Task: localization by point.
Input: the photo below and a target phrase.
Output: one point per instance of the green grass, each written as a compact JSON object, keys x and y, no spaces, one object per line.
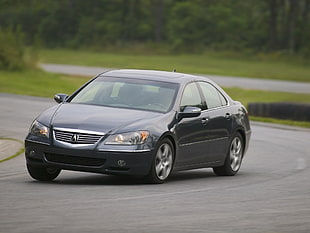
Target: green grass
{"x":272,"y":66}
{"x":38,"y":83}
{"x":248,"y":96}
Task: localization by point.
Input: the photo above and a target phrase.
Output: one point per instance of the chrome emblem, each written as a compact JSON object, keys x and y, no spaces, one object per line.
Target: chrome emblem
{"x":75,"y":138}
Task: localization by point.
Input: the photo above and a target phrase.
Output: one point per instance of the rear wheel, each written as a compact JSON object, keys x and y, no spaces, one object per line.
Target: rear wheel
{"x":233,"y":159}
{"x":163,"y":162}
{"x":43,"y":173}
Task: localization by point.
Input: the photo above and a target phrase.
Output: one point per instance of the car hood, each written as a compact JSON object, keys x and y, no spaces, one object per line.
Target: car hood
{"x":99,"y":118}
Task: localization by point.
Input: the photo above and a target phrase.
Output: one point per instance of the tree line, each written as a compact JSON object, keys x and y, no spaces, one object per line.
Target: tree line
{"x":181,"y":25}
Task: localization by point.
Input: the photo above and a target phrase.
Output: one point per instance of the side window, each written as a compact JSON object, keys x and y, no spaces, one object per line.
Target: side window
{"x":223,"y":99}
{"x":212,"y":96}
{"x":191,"y":97}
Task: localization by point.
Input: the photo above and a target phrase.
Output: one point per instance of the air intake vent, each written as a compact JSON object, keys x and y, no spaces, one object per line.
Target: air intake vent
{"x":74,"y":160}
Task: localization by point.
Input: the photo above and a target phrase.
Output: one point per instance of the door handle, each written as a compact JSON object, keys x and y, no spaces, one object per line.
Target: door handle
{"x":204,"y":120}
{"x":227,"y":116}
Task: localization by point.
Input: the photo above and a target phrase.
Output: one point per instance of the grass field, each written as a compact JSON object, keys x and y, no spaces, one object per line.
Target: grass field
{"x":38,"y":83}
{"x":248,"y":96}
{"x":272,"y":66}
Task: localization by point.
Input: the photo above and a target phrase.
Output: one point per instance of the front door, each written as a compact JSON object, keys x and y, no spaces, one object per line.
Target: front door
{"x":191,"y":134}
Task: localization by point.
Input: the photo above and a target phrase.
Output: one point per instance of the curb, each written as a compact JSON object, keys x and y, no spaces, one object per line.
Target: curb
{"x":281,"y":110}
{"x":279,"y":126}
{"x":10,"y":148}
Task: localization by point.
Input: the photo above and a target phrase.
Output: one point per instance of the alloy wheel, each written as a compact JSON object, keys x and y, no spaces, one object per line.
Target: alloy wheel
{"x":163,"y":161}
{"x":236,"y":154}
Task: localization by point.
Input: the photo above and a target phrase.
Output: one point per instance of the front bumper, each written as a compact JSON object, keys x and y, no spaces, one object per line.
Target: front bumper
{"x":87,"y":160}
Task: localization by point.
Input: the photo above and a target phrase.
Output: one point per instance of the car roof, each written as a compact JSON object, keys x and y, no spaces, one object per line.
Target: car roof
{"x":155,"y":75}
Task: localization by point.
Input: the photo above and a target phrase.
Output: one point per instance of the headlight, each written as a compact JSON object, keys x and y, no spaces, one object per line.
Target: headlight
{"x":132,"y":138}
{"x":39,"y":130}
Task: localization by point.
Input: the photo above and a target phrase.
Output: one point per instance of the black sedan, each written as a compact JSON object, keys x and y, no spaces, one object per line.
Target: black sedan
{"x":142,"y":123}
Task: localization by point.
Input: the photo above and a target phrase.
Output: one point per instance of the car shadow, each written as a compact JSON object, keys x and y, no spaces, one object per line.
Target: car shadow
{"x":102,"y":179}
{"x":191,"y":175}
{"x":98,"y":179}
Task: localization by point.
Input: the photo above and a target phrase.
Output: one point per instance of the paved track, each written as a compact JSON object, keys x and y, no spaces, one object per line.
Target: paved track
{"x":271,"y":194}
{"x":247,"y":83}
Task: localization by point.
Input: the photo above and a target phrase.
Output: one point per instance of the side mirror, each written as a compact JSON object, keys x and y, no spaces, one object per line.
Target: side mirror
{"x":60,"y":98}
{"x":189,"y":112}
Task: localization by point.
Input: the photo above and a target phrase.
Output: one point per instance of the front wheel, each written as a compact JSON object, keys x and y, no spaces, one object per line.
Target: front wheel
{"x":43,"y":173}
{"x":233,"y":159}
{"x":163,"y":162}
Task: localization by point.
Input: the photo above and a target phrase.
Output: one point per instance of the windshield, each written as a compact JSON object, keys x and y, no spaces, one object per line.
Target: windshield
{"x":128,"y":93}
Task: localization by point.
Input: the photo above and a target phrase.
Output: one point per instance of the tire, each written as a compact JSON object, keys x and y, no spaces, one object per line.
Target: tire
{"x":163,"y":162}
{"x":233,"y":159}
{"x":43,"y":173}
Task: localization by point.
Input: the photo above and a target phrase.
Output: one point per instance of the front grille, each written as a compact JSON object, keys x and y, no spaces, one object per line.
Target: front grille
{"x":76,"y":138}
{"x":74,"y":160}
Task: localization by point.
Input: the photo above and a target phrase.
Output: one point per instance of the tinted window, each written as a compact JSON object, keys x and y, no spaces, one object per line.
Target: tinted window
{"x":191,"y":97}
{"x":128,"y":93}
{"x":212,"y":96}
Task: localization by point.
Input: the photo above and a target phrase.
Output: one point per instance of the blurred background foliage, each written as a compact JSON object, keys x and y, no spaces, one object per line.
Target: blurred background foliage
{"x":11,"y":49}
{"x":176,"y":25}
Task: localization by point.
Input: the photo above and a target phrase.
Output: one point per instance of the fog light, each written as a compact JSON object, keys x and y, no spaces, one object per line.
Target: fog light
{"x":121,"y":163}
{"x":32,"y":153}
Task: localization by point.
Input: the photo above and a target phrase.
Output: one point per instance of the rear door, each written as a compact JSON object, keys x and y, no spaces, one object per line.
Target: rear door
{"x":219,"y":122}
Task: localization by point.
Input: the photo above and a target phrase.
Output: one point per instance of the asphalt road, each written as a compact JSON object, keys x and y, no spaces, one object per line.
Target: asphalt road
{"x":271,"y":194}
{"x":225,"y":81}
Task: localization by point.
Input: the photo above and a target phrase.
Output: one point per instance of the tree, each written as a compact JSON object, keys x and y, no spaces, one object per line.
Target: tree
{"x":158,"y":15}
{"x":293,"y":8}
{"x":273,"y":24}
